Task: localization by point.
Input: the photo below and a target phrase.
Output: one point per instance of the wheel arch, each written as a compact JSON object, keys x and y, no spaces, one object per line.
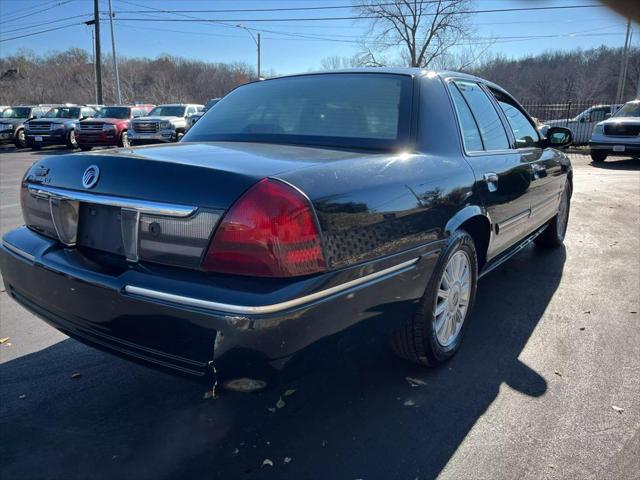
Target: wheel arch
{"x":474,"y":220}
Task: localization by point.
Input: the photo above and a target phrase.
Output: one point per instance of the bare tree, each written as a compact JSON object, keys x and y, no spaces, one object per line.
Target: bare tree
{"x":424,"y":30}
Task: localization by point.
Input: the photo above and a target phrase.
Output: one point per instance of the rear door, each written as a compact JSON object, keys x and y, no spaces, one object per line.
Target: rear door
{"x":502,"y":175}
{"x":547,"y":175}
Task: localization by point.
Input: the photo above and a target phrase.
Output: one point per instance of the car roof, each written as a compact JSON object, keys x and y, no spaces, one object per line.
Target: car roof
{"x":411,"y":71}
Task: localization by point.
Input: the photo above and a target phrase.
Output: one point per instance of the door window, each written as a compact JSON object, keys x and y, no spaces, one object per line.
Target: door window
{"x":491,"y":129}
{"x":470,"y":133}
{"x":523,"y":130}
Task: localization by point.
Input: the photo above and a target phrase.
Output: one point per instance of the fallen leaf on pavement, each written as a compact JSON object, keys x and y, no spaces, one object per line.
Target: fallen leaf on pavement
{"x":617,"y":409}
{"x":558,"y":373}
{"x":290,"y":392}
{"x":4,"y":340}
{"x":415,"y":382}
{"x":267,"y":462}
{"x":280,"y":403}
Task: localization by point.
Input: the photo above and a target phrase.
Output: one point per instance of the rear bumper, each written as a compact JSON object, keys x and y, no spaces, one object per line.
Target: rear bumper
{"x":186,"y":321}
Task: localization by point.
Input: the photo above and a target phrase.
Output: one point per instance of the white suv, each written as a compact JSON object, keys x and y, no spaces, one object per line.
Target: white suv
{"x":618,"y":135}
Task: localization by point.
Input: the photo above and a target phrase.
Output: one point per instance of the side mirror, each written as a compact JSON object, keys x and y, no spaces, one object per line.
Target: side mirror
{"x":559,"y":137}
{"x":607,"y":115}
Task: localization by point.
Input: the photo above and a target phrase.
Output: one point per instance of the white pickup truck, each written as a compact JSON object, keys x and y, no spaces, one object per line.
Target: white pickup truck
{"x":583,"y":124}
{"x":618,"y":135}
{"x":165,"y":123}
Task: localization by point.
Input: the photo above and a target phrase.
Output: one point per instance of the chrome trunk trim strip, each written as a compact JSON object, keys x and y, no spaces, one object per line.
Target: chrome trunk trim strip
{"x":142,"y":206}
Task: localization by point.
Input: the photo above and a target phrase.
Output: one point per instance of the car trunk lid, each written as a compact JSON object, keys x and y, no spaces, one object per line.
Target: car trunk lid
{"x":157,"y":203}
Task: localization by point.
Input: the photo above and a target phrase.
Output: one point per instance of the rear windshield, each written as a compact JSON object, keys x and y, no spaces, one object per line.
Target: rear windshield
{"x":113,"y":112}
{"x":63,"y":112}
{"x":631,"y":109}
{"x":344,"y":110}
{"x":167,"y":112}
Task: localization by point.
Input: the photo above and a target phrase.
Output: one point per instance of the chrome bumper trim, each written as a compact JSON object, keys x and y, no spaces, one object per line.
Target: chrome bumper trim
{"x":142,"y":206}
{"x":265,"y":309}
{"x":17,"y":251}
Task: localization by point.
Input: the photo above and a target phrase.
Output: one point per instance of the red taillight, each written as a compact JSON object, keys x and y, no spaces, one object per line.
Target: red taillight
{"x":269,"y":232}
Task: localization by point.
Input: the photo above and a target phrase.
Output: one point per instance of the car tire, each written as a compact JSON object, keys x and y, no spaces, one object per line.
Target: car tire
{"x":71,"y":140}
{"x":598,"y":157}
{"x":179,"y":136}
{"x":553,"y":235}
{"x":21,"y":139}
{"x":420,"y":340}
{"x":85,"y":148}
{"x":124,"y":140}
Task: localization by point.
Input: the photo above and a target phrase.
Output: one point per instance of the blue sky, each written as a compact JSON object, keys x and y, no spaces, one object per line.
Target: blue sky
{"x":283,"y":48}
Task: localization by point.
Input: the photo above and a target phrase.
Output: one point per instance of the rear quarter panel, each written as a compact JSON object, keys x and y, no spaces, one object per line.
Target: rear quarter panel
{"x":382,"y":204}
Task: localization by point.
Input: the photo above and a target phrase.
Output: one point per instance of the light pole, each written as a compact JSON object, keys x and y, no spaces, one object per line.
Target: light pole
{"x":256,"y":41}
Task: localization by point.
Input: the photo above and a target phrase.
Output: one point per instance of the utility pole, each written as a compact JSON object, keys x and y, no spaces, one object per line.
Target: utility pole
{"x":116,"y":76}
{"x":623,"y":64}
{"x":258,"y":44}
{"x":98,"y":56}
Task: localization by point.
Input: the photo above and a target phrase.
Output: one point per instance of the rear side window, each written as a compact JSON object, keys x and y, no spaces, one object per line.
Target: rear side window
{"x":491,"y":129}
{"x":470,"y":132}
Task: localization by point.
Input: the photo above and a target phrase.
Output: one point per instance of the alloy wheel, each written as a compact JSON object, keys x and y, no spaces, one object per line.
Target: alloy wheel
{"x":452,"y":300}
{"x":563,"y":214}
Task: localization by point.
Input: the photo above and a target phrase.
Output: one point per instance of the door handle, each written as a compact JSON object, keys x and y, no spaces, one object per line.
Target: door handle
{"x":538,"y":171}
{"x":491,"y":179}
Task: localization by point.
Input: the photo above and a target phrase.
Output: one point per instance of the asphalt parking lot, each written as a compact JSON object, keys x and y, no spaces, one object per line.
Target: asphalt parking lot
{"x":547,"y":384}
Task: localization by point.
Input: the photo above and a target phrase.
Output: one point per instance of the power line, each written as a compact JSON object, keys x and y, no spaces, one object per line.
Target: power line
{"x":29,"y":26}
{"x":41,"y":31}
{"x":335,"y":7}
{"x":359,"y":17}
{"x":24,"y":15}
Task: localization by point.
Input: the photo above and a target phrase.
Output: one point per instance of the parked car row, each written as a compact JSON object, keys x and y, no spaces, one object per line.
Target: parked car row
{"x":88,"y":126}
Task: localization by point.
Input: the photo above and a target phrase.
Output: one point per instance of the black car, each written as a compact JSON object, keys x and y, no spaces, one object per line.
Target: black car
{"x":56,"y":127}
{"x":295,"y":209}
{"x":12,"y":123}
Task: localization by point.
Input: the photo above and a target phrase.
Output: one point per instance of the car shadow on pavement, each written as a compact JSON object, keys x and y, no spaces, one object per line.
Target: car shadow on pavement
{"x":614,"y":163}
{"x":353,"y":413}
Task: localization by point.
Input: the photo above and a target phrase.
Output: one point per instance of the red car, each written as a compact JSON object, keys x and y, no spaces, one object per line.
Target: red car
{"x":109,"y":127}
